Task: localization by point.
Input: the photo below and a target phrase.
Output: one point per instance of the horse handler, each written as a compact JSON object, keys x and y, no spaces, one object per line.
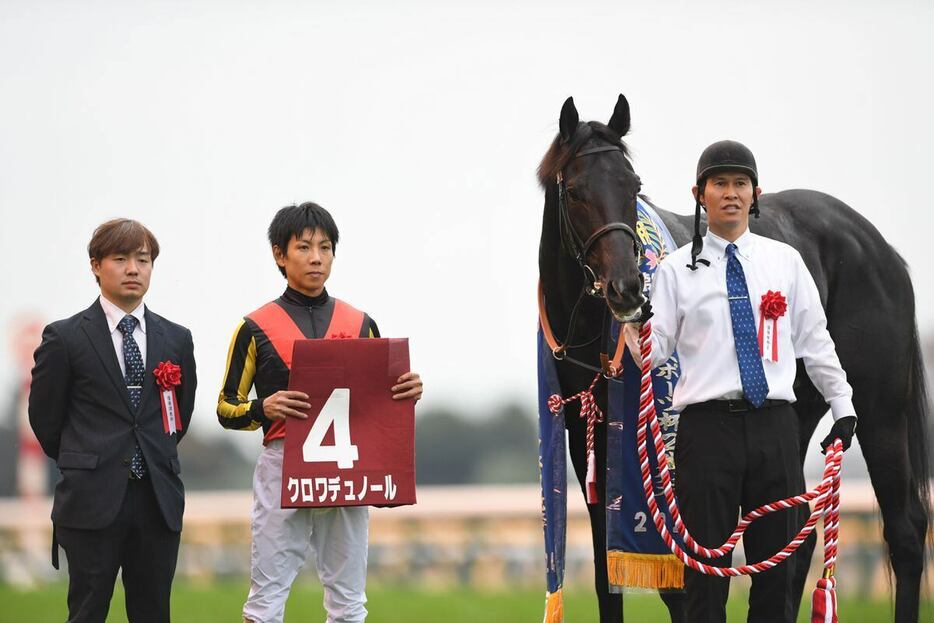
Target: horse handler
{"x":740,"y":309}
{"x":303,"y":240}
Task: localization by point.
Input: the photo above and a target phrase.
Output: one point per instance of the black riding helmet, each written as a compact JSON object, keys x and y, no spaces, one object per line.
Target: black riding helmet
{"x":721,"y":156}
{"x":727,"y":156}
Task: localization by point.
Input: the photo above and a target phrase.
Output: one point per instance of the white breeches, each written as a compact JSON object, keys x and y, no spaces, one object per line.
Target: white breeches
{"x":283,"y":538}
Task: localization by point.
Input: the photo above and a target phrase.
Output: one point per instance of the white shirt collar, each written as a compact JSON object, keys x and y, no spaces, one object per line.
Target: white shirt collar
{"x":114,"y":314}
{"x":745,"y":245}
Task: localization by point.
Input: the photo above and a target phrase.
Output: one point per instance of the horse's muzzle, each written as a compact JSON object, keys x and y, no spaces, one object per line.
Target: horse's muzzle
{"x":625,"y":299}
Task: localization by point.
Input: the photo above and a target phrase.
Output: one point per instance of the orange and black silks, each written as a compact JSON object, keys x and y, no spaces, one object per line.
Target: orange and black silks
{"x":260,"y":353}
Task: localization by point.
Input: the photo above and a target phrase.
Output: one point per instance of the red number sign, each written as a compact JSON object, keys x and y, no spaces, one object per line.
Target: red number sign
{"x":357,"y":446}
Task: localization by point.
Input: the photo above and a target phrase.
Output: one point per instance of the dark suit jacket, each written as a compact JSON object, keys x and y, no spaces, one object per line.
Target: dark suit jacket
{"x":80,"y":410}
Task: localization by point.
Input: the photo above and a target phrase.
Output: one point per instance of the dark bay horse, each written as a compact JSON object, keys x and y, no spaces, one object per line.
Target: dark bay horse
{"x":865,"y":290}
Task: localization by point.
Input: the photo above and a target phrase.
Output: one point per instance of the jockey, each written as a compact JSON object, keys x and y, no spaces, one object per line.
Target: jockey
{"x":740,"y":314}
{"x":303,"y":240}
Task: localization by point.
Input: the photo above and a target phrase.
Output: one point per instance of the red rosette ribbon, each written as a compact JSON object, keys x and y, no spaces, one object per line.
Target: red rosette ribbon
{"x":168,"y":376}
{"x":773,"y":306}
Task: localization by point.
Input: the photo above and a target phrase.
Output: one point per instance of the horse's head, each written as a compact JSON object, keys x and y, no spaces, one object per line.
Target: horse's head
{"x":596,"y":192}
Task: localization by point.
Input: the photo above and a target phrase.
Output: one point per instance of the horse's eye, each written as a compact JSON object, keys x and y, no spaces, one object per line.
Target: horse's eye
{"x":573,"y":194}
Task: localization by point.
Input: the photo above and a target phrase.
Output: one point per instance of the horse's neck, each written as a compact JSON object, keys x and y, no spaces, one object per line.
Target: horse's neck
{"x":554,"y":271}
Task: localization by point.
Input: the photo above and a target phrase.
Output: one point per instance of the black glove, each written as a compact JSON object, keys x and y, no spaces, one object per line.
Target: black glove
{"x":646,"y":311}
{"x":842,"y":428}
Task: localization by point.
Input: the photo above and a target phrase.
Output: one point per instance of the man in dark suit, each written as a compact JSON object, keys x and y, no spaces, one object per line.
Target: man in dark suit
{"x":113,"y":425}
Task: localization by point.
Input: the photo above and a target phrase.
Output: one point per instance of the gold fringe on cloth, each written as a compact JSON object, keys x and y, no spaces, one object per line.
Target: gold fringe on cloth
{"x":632,"y":570}
{"x":554,"y":607}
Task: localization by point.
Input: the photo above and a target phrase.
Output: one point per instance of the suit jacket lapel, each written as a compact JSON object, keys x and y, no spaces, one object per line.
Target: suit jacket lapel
{"x":154,"y":343}
{"x":95,"y":327}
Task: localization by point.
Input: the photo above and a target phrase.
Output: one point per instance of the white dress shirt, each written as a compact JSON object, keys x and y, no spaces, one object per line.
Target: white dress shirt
{"x":114,"y":315}
{"x":692,"y":315}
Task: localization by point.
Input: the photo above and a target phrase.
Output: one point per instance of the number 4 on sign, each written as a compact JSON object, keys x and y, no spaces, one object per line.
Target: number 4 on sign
{"x":337,"y":411}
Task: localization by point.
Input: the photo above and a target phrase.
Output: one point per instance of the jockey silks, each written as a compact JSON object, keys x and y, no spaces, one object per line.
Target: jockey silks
{"x":261,"y":351}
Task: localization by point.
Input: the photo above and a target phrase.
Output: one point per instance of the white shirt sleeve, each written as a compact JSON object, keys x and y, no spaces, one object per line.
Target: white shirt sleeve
{"x":664,"y":314}
{"x":813,"y":344}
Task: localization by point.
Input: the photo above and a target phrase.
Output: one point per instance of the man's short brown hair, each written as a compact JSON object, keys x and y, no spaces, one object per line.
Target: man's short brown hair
{"x":121,"y":235}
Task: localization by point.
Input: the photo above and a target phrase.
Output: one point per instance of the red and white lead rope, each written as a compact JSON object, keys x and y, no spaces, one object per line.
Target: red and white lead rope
{"x":826,"y":498}
{"x":592,"y":413}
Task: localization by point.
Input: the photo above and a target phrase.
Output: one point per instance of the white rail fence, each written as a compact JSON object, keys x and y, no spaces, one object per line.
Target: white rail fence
{"x":484,"y":536}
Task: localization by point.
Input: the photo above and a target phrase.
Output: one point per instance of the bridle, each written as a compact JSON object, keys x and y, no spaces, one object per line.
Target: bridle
{"x":572,"y":242}
{"x":610,"y":368}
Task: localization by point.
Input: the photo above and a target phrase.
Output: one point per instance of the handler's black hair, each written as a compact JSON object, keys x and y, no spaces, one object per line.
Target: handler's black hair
{"x":292,"y":221}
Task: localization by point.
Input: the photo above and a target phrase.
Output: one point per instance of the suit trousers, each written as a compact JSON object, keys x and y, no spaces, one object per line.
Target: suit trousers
{"x":731,"y":462}
{"x":139,"y":544}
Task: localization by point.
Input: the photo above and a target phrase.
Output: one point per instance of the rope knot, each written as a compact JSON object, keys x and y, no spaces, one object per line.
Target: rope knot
{"x":555,"y":403}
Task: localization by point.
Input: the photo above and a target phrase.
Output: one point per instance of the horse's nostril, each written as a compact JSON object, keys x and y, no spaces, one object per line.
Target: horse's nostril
{"x":622,"y":289}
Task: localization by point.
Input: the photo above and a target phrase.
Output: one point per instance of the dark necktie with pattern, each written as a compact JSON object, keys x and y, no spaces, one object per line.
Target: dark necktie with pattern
{"x":755,"y":386}
{"x":135,"y":368}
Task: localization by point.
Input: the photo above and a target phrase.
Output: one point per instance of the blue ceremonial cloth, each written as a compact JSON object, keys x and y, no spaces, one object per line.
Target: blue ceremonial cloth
{"x":552,"y":460}
{"x":631,"y":533}
{"x":636,"y":554}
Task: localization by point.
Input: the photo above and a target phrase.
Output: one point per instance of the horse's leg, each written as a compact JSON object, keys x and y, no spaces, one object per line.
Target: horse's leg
{"x":883,"y":367}
{"x":675,"y":602}
{"x":610,"y":604}
{"x":903,"y":518}
{"x":810,"y":407}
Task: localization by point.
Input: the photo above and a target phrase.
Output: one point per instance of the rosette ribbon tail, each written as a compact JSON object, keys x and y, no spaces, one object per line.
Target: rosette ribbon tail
{"x":170,"y":419}
{"x":775,"y":340}
{"x":768,"y":337}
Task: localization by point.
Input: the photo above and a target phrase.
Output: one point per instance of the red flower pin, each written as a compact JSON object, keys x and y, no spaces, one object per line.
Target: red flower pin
{"x":773,"y":305}
{"x":168,"y":375}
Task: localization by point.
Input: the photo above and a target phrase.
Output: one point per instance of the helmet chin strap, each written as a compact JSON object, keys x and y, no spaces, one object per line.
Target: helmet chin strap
{"x":697,"y":243}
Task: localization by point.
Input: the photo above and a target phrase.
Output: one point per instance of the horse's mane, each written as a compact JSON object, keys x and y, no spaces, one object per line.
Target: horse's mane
{"x":560,"y":152}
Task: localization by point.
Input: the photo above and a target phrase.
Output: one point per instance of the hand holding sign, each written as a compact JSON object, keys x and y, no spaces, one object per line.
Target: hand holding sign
{"x":357,"y":445}
{"x":409,"y":386}
{"x":286,"y":403}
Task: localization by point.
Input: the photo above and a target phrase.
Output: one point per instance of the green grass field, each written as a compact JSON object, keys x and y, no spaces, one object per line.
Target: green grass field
{"x":221,"y":603}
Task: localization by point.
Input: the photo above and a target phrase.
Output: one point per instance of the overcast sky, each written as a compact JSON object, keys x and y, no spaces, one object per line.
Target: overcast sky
{"x":419,"y":126}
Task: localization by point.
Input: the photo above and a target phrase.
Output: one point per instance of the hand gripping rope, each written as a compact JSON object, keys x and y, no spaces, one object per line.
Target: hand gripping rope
{"x":826,"y":498}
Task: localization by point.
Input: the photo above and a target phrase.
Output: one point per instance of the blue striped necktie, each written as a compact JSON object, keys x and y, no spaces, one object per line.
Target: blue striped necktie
{"x":755,"y":386}
{"x":135,"y":369}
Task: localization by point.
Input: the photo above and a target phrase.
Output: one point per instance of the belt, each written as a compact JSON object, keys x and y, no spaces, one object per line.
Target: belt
{"x":739,"y":405}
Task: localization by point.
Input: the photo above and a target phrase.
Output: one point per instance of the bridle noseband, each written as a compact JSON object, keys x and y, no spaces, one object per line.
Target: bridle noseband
{"x":571,"y":241}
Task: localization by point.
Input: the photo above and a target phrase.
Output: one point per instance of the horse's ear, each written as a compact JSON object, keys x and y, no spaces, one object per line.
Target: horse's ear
{"x":619,"y":122}
{"x":569,"y":119}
